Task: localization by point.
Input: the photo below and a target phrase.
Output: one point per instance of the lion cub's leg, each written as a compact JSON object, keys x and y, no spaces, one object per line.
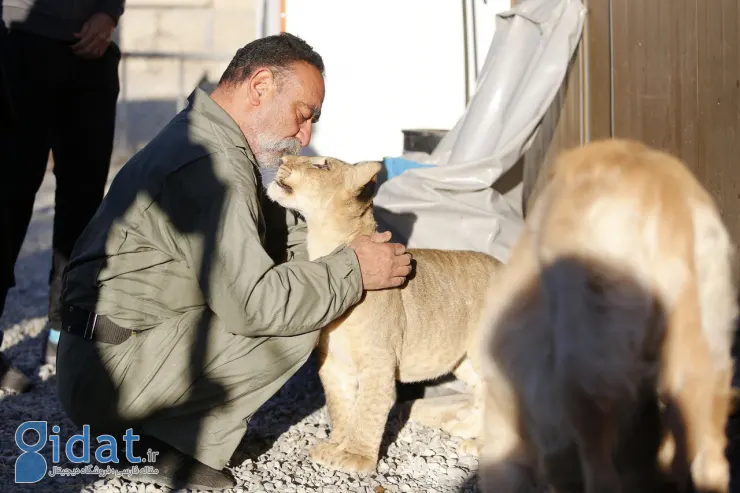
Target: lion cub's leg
{"x":434,"y":412}
{"x":376,"y":394}
{"x":339,"y":381}
{"x":468,"y":373}
{"x":467,"y":421}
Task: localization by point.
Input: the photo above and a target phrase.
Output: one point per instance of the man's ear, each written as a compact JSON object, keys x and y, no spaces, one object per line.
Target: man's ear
{"x":364,"y":176}
{"x":260,"y":85}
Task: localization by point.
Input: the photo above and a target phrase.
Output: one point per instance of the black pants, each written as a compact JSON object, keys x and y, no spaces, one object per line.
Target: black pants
{"x":65,"y":104}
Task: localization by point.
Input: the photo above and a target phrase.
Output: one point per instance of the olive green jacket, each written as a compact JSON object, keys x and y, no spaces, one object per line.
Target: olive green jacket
{"x":186,"y":223}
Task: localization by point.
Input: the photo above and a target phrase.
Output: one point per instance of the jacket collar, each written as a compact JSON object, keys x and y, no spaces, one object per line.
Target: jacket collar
{"x":202,"y":102}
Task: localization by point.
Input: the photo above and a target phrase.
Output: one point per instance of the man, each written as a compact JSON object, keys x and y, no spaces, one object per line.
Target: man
{"x":60,"y":69}
{"x":189,"y":300}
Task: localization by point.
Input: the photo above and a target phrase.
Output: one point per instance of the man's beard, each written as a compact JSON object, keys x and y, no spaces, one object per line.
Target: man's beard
{"x":270,"y":151}
{"x":270,"y":154}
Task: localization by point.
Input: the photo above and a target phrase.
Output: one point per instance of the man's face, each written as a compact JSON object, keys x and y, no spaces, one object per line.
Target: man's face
{"x":283,"y":120}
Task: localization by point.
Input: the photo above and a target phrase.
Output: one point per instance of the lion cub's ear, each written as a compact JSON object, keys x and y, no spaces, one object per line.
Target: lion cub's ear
{"x":362,"y":173}
{"x":319,"y":162}
{"x":289,"y":159}
{"x":362,"y":178}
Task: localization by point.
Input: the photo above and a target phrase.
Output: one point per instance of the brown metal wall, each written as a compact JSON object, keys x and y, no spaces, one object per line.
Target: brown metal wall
{"x":677,"y":86}
{"x":666,"y":72}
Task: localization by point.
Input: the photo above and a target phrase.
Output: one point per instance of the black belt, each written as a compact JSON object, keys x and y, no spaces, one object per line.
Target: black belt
{"x":93,"y":327}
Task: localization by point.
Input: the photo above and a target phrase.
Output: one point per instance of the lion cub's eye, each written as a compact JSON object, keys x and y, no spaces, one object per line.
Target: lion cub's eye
{"x":320,"y":166}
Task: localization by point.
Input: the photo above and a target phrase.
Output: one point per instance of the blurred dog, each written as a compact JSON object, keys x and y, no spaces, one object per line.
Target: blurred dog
{"x":620,"y":289}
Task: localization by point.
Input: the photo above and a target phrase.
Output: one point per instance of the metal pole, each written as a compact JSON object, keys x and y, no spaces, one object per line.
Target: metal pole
{"x":260,"y":17}
{"x":465,"y":47}
{"x":475,"y":42}
{"x":124,"y":103}
{"x":181,"y":87}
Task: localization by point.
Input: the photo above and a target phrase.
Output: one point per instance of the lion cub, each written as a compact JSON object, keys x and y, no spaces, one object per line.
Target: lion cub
{"x":620,"y":288}
{"x":417,"y":332}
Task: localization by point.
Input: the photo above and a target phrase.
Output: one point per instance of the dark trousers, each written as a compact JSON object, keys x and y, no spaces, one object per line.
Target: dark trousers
{"x":63,"y":104}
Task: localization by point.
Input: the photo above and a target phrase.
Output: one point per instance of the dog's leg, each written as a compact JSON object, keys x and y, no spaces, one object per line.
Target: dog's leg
{"x":713,"y":307}
{"x":697,"y":415}
{"x":340,"y":388}
{"x":376,"y":394}
{"x":506,"y":464}
{"x":711,"y":468}
{"x":697,"y":401}
{"x":596,"y":427}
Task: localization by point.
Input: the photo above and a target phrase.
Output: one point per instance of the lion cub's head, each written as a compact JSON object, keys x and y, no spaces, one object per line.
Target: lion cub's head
{"x":324,"y":185}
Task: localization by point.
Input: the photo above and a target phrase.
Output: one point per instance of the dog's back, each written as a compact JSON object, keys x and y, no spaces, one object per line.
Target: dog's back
{"x":608,"y":291}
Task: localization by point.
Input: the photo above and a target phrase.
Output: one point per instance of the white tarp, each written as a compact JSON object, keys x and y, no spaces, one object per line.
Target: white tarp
{"x":453,"y":205}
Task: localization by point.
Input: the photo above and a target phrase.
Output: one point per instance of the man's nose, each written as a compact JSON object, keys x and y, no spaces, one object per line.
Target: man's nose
{"x":304,"y":134}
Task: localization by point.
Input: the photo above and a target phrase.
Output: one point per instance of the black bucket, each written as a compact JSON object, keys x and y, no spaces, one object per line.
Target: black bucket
{"x":422,"y":139}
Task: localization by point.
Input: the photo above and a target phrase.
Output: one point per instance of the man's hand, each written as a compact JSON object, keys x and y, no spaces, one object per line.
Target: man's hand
{"x":383,"y":264}
{"x":95,"y":36}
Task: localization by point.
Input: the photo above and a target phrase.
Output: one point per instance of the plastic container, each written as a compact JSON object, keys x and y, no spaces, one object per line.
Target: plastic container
{"x":422,"y":139}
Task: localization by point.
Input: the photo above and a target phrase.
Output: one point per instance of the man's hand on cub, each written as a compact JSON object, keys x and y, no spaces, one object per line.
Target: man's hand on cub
{"x":383,"y":265}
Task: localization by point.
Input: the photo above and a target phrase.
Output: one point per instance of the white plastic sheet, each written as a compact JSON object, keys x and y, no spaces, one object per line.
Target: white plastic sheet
{"x":454,"y":205}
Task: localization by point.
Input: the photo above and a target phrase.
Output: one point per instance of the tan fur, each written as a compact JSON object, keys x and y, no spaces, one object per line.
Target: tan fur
{"x":620,"y":288}
{"x":418,"y":332}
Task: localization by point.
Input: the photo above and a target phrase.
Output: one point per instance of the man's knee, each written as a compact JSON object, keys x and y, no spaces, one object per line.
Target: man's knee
{"x":87,"y":411}
{"x":85,"y":392}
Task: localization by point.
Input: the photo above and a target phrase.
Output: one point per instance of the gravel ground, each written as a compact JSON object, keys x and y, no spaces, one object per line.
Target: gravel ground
{"x":273,"y":455}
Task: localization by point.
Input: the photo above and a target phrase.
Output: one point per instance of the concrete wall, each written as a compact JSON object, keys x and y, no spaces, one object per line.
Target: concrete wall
{"x":150,"y":87}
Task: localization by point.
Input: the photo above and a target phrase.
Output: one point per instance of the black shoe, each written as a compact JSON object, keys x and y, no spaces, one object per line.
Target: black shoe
{"x":175,"y":470}
{"x":11,"y":379}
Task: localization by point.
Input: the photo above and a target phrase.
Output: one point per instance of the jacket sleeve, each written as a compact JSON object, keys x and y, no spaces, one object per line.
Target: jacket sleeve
{"x":253,"y":296}
{"x":113,"y":8}
{"x":297,"y":235}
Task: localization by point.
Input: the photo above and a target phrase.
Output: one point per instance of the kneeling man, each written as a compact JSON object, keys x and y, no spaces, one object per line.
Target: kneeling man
{"x":189,"y":300}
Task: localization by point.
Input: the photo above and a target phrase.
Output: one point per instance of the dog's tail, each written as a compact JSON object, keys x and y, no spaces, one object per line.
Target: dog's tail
{"x":599,"y":320}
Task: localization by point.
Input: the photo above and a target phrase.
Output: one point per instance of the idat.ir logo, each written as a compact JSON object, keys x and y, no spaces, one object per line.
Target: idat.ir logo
{"x":31,"y":466}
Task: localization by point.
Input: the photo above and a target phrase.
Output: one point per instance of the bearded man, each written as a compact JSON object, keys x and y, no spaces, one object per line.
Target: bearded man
{"x":189,"y":300}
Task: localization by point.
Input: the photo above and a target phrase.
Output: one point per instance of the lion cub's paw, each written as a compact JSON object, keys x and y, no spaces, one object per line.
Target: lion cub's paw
{"x":435,"y":411}
{"x":462,"y":429}
{"x":324,"y":451}
{"x":330,"y":455}
{"x":348,"y":462}
{"x":470,"y":447}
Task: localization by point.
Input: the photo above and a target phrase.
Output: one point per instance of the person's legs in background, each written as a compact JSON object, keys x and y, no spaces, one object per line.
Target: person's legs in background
{"x":82,"y":147}
{"x":29,"y":71}
{"x":11,"y":379}
{"x":6,"y":117}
